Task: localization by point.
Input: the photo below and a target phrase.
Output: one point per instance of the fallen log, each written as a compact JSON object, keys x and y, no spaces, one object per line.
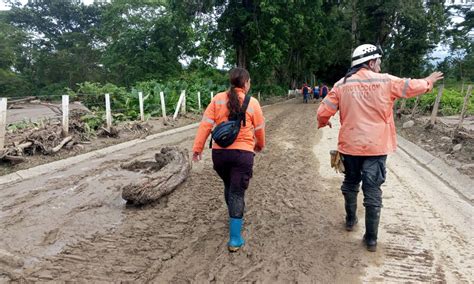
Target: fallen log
{"x":11,"y":103}
{"x":14,"y":159}
{"x":171,"y":167}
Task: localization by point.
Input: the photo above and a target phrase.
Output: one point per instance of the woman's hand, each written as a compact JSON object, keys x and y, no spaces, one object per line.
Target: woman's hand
{"x":197,"y":156}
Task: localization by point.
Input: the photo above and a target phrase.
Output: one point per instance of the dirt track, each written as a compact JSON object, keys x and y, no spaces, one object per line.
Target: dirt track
{"x":73,"y":224}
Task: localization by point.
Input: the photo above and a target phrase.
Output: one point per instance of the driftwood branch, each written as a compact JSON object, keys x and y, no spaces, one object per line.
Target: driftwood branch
{"x":171,"y":167}
{"x":60,"y":145}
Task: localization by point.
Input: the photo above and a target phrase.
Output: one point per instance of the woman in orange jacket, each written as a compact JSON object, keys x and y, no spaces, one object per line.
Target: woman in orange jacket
{"x":364,"y":99}
{"x":233,"y":164}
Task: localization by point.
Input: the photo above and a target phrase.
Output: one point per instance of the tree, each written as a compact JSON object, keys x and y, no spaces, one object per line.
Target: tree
{"x":62,"y":47}
{"x":12,"y":84}
{"x":144,"y":40}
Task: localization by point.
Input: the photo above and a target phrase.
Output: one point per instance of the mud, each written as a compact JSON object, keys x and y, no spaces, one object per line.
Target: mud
{"x":440,"y":141}
{"x":73,"y":224}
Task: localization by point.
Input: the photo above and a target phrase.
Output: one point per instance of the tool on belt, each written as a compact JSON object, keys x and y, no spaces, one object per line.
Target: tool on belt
{"x":337,"y":161}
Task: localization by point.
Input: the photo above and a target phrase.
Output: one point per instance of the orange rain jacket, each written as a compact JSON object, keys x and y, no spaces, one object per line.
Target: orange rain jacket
{"x":365,"y":103}
{"x":250,"y":135}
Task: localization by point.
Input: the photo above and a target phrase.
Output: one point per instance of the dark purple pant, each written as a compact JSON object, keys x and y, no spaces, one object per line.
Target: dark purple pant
{"x":235,"y":168}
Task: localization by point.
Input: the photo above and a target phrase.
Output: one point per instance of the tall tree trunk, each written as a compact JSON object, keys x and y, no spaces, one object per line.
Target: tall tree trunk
{"x":241,"y":56}
{"x":353,"y":26}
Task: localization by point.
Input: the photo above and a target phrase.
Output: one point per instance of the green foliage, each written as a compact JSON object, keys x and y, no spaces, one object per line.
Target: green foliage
{"x":93,"y":121}
{"x":451,"y":102}
{"x":125,"y":103}
{"x":54,"y":47}
{"x":53,"y":92}
{"x":20,"y":125}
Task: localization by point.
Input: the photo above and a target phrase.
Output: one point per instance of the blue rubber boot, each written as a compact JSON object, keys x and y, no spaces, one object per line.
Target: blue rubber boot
{"x":236,"y":240}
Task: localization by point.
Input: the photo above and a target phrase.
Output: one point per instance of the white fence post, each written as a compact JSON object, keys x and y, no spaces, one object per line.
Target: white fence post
{"x":178,"y":106}
{"x":108,"y":113}
{"x":65,"y":115}
{"x":289,"y":93}
{"x":259,"y":96}
{"x":140,"y":102}
{"x":3,"y":121}
{"x":163,"y":106}
{"x":199,"y":101}
{"x":212,"y":95}
{"x":183,"y":105}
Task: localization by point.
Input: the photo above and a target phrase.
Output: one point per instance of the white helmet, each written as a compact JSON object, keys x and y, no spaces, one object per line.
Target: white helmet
{"x":364,"y":53}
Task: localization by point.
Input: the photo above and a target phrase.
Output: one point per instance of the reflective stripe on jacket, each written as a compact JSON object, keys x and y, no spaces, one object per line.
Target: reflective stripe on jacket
{"x":365,"y":103}
{"x":217,"y":112}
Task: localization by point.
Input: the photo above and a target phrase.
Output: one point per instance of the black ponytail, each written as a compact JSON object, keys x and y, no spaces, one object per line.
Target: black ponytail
{"x":237,"y":77}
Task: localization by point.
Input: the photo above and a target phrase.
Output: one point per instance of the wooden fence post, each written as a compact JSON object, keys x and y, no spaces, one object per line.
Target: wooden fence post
{"x":259,"y":96}
{"x":65,"y":115}
{"x":178,"y":106}
{"x":140,"y":102}
{"x":163,"y":106}
{"x":199,"y":101}
{"x":464,"y":106}
{"x":183,"y":105}
{"x":289,"y":93}
{"x":403,"y":105}
{"x":417,"y":101}
{"x":436,"y":105}
{"x":108,"y":112}
{"x":3,"y":121}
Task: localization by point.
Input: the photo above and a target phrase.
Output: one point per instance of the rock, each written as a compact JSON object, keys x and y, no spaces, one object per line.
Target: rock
{"x":445,"y":138}
{"x":408,"y":124}
{"x":457,"y":147}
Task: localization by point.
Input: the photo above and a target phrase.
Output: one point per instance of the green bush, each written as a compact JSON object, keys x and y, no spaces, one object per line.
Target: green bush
{"x":451,"y":102}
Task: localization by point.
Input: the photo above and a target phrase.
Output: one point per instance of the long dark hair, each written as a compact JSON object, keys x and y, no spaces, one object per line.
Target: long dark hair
{"x":237,"y":77}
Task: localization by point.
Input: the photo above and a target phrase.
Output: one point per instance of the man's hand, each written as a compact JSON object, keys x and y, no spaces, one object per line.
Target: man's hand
{"x":257,"y":148}
{"x":434,"y":77}
{"x":327,"y":124}
{"x":197,"y":156}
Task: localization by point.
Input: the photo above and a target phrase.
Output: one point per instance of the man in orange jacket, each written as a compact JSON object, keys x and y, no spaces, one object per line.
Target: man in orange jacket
{"x":365,"y":98}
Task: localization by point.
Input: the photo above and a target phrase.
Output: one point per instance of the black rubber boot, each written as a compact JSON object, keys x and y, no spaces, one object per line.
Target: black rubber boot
{"x":351,"y":209}
{"x":372,"y":218}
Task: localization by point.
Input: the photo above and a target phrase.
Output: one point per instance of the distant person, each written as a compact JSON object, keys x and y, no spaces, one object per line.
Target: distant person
{"x":364,"y":99}
{"x":324,"y":91}
{"x":305,"y":91}
{"x":234,"y":163}
{"x":316,"y":92}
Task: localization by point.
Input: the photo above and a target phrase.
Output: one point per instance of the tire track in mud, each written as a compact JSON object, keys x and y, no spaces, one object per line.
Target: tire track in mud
{"x":293,"y":222}
{"x":418,"y":245}
{"x":293,"y":229}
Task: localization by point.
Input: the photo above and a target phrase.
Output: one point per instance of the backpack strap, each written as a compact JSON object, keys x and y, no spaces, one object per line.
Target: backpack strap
{"x":243,"y":110}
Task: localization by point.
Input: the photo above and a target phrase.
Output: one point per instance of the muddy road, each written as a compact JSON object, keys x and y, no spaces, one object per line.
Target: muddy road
{"x":73,"y":225}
